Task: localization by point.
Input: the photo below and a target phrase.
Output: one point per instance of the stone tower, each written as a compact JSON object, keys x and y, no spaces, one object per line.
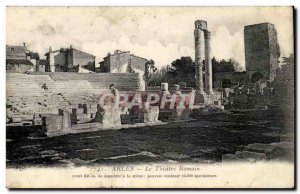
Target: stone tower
{"x":261,"y":51}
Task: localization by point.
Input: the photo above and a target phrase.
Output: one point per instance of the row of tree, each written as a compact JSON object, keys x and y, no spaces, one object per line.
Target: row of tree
{"x":183,"y":70}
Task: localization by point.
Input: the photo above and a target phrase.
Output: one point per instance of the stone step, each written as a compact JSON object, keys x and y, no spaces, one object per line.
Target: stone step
{"x":244,"y":156}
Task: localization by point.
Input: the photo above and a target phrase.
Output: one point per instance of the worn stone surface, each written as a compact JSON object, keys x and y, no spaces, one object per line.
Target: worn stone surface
{"x":271,"y":151}
{"x":250,"y":156}
{"x":109,"y":116}
{"x":56,"y":124}
{"x":288,"y":137}
{"x":66,"y":122}
{"x":285,"y":150}
{"x":151,"y":115}
{"x":229,"y":158}
{"x":53,"y":124}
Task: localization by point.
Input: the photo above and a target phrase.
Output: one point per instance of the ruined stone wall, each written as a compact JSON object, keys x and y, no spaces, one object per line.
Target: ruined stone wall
{"x":261,"y":49}
{"x":60,"y":59}
{"x":18,"y":68}
{"x":83,"y":59}
{"x":284,"y":88}
{"x":137,"y":63}
{"x":234,"y":77}
{"x":118,"y":63}
{"x":104,"y":66}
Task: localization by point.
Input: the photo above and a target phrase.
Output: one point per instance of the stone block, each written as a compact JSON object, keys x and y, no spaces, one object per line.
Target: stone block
{"x":53,"y":124}
{"x":199,"y":98}
{"x":250,"y":156}
{"x":85,"y":108}
{"x":9,"y":112}
{"x":181,"y":114}
{"x":164,"y":87}
{"x":269,"y":150}
{"x":229,"y":158}
{"x":73,"y":119}
{"x":66,"y":124}
{"x":92,"y":108}
{"x":151,"y":114}
{"x":83,"y":118}
{"x":22,"y":117}
{"x":37,"y":121}
{"x":285,"y":150}
{"x":108,"y":116}
{"x":74,"y":111}
{"x":261,"y":107}
{"x":80,"y":111}
{"x":56,"y":124}
{"x":16,"y":119}
{"x":288,"y":137}
{"x":217,"y":103}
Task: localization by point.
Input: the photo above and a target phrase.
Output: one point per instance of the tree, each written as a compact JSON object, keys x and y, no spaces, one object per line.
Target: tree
{"x":182,"y":70}
{"x":150,"y":69}
{"x":236,"y":65}
{"x":222,"y":66}
{"x":159,"y":76}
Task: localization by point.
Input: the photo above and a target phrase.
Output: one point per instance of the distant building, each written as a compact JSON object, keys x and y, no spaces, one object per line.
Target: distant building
{"x":20,"y":60}
{"x":41,"y":65}
{"x":124,"y":62}
{"x":16,"y":52}
{"x":261,"y":51}
{"x":69,"y":60}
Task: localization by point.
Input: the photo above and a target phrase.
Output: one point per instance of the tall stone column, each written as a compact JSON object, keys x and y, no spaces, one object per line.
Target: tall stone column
{"x":198,"y":63}
{"x":208,"y":66}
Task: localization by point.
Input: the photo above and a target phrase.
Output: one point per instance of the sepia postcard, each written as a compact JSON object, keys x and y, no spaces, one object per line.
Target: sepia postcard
{"x":150,"y":97}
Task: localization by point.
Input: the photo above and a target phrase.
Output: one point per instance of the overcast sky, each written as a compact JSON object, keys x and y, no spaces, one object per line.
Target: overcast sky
{"x":159,"y":33}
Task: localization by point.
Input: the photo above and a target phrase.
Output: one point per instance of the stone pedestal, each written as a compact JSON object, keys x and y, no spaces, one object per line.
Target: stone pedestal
{"x":74,"y":116}
{"x":66,"y":122}
{"x":150,"y":115}
{"x":57,"y":124}
{"x":108,"y":116}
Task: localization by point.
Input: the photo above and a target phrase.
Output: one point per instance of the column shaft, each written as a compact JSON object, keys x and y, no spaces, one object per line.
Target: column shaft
{"x":198,"y":62}
{"x":208,"y":65}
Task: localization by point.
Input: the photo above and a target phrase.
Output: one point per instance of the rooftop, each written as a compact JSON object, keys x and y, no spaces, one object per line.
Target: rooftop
{"x":18,"y":61}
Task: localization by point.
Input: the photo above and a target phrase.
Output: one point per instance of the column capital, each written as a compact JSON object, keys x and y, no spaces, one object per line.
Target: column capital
{"x":207,"y":34}
{"x":201,"y":24}
{"x":197,"y":33}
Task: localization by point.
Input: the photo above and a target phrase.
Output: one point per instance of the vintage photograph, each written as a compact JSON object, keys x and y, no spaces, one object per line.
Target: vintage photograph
{"x":150,"y":97}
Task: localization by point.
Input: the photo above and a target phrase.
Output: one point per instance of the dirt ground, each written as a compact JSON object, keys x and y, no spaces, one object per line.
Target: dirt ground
{"x":203,"y":140}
